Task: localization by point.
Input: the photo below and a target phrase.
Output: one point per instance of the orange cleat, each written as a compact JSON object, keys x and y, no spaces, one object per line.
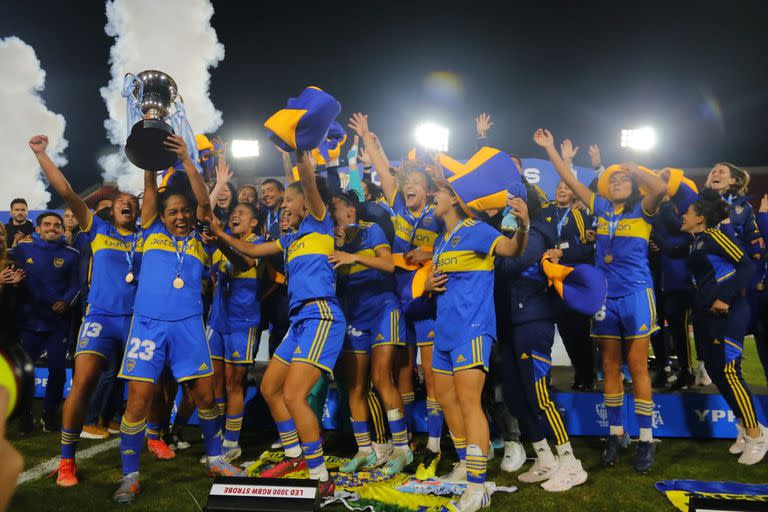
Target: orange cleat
{"x":160,"y":450}
{"x":220,"y":467}
{"x":67,"y":473}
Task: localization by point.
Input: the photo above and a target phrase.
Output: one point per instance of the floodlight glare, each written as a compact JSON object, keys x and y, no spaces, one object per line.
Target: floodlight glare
{"x":242,"y":148}
{"x":640,"y":139}
{"x":432,"y":136}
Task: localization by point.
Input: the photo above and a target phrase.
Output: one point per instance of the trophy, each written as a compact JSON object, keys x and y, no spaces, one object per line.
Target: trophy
{"x":150,"y":95}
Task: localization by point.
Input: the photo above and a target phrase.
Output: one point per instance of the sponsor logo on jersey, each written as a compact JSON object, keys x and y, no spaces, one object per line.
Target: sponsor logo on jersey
{"x":58,"y":262}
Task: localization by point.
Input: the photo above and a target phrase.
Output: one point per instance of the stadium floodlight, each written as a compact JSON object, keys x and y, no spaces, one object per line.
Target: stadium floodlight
{"x":432,"y":136}
{"x":243,"y":148}
{"x":639,"y":139}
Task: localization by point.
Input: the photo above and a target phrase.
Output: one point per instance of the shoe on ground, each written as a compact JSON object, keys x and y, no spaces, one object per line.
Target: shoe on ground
{"x":67,"y":473}
{"x":472,"y":500}
{"x":289,"y":465}
{"x":613,"y":447}
{"x":754,"y":449}
{"x":113,"y":427}
{"x":175,"y":442}
{"x":701,"y":375}
{"x":128,"y":490}
{"x":362,"y":459}
{"x":231,"y":453}
{"x":567,"y":476}
{"x":458,"y":474}
{"x":326,"y":488}
{"x":160,"y":450}
{"x":644,"y":456}
{"x":514,"y":456}
{"x":660,"y":379}
{"x":427,"y":465}
{"x":94,"y":432}
{"x":400,"y":458}
{"x":737,"y":447}
{"x":50,"y":422}
{"x":491,"y":452}
{"x":538,"y":472}
{"x":383,"y":453}
{"x":684,"y":380}
{"x":217,"y":466}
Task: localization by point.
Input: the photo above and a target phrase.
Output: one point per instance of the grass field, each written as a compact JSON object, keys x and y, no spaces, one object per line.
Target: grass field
{"x":167,"y":484}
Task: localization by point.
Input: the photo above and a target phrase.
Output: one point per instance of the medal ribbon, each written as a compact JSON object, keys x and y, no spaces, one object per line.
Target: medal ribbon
{"x":180,"y":255}
{"x":444,"y":242}
{"x":613,"y":224}
{"x":415,"y":221}
{"x":561,"y":220}
{"x":130,"y":257}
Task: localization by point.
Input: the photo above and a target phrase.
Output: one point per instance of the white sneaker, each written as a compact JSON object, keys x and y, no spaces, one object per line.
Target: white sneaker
{"x":738,"y":446}
{"x":514,"y":456}
{"x":491,"y":453}
{"x":383,"y":453}
{"x":458,"y":474}
{"x":473,"y":499}
{"x":539,"y":472}
{"x":702,"y":377}
{"x":568,"y":475}
{"x":230,"y":454}
{"x":754,"y":449}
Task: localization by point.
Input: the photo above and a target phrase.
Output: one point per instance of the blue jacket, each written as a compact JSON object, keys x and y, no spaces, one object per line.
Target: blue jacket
{"x":572,"y":239}
{"x":52,"y":276}
{"x":521,"y":287}
{"x":743,"y":228}
{"x":675,"y":246}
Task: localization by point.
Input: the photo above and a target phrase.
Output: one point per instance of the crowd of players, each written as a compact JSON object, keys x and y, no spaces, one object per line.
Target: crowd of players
{"x":178,"y":286}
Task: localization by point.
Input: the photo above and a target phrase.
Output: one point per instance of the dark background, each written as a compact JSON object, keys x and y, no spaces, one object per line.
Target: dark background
{"x":697,"y":73}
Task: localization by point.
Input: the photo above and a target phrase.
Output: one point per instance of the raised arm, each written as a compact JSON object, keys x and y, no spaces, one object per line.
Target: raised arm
{"x":545,"y":139}
{"x":309,"y":184}
{"x":38,"y":144}
{"x":359,"y":123}
{"x":223,"y":175}
{"x":515,"y":246}
{"x":656,"y":187}
{"x":150,"y":201}
{"x":287,"y":167}
{"x":382,"y":259}
{"x":246,"y":248}
{"x":199,"y":190}
{"x":239,"y":260}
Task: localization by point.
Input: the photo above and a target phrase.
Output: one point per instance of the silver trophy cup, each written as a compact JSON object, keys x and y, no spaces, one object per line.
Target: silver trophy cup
{"x":156,"y":93}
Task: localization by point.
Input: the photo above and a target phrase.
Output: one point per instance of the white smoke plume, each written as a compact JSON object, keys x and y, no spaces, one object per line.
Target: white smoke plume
{"x":173,"y":36}
{"x":24,"y":114}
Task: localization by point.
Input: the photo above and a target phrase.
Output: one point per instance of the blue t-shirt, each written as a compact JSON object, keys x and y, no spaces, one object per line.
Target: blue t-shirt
{"x":366,"y":292}
{"x":157,"y":298}
{"x":236,"y":297}
{"x":309,"y":273}
{"x":627,"y":269}
{"x":466,"y":310}
{"x":113,"y":253}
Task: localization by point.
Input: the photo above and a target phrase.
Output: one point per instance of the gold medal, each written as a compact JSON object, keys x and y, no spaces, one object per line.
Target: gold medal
{"x":178,"y":283}
{"x":760,"y":286}
{"x":129,"y":277}
{"x":608,"y":258}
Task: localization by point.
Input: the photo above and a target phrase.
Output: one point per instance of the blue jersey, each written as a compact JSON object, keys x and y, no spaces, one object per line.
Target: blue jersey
{"x":309,"y":273}
{"x":51,"y":270}
{"x":236,"y":297}
{"x":365,"y":291}
{"x":622,"y":247}
{"x":114,"y":252}
{"x":412,"y":232}
{"x":157,"y":297}
{"x":465,"y":310}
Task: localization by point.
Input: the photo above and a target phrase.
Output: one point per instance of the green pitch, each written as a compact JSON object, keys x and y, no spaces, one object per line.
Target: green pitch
{"x":168,"y":485}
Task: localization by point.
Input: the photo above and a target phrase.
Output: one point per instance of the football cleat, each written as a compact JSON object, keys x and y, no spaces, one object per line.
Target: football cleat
{"x":458,"y":474}
{"x":644,"y":456}
{"x":613,"y":445}
{"x":427,"y":465}
{"x":232,"y":453}
{"x":326,"y":488}
{"x":128,"y":490}
{"x":67,"y":473}
{"x":217,"y":466}
{"x":159,"y":449}
{"x":289,"y":465}
{"x":362,"y":459}
{"x":383,"y":453}
{"x":400,"y":458}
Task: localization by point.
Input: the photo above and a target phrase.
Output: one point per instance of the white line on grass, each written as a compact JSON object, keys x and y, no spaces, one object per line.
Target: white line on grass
{"x":52,"y":464}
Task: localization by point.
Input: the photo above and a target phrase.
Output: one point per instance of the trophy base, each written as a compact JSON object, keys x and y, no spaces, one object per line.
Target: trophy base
{"x":144,"y":147}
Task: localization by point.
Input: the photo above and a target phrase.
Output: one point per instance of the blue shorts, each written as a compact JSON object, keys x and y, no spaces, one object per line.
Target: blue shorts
{"x":388,"y":329}
{"x":102,"y":335}
{"x":420,"y":332}
{"x":315,"y":337}
{"x":236,"y":347}
{"x":630,"y":317}
{"x":153,"y":344}
{"x":472,"y":354}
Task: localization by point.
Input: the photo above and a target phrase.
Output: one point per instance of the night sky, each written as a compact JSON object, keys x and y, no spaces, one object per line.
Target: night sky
{"x":696,"y":73}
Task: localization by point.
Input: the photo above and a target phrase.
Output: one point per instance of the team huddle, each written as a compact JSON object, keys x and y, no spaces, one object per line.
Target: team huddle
{"x":371,"y":276}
